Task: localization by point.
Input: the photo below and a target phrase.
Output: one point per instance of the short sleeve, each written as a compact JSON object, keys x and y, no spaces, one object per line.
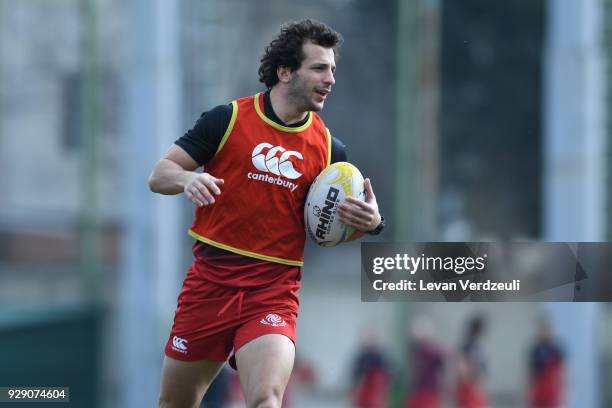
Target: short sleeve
{"x":202,"y":140}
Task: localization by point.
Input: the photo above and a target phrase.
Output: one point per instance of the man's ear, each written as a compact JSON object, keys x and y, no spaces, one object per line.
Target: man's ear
{"x":284,"y":74}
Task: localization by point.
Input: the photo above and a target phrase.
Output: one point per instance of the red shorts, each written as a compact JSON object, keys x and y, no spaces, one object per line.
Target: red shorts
{"x":215,"y":316}
{"x":470,"y":395}
{"x":423,"y":399}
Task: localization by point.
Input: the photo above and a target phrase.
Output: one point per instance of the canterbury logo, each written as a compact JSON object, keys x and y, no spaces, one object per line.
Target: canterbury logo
{"x":266,"y":158}
{"x":178,"y":344}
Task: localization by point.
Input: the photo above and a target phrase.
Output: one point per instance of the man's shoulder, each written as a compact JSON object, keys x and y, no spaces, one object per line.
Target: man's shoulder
{"x":217,"y":114}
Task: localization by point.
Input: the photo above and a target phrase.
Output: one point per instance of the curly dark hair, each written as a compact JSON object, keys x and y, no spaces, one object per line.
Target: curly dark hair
{"x":286,"y":49}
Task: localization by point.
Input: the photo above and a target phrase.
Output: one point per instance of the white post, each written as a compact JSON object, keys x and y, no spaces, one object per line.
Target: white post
{"x":574,"y":122}
{"x":169,"y":233}
{"x":574,"y":172}
{"x":149,"y":276}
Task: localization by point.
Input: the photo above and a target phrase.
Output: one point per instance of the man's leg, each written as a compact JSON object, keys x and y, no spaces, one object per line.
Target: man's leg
{"x":184,"y":383}
{"x":264,"y":366}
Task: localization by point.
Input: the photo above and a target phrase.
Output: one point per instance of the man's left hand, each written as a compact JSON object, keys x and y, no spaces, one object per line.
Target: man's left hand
{"x":359,"y":214}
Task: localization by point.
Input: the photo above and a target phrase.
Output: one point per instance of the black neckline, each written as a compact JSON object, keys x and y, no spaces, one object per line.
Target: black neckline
{"x":269,"y":112}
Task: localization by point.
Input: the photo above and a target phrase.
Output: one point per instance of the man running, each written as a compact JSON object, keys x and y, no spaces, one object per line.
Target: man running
{"x":260,"y":154}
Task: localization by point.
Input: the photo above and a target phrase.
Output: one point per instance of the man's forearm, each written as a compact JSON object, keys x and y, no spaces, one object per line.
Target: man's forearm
{"x":168,"y":177}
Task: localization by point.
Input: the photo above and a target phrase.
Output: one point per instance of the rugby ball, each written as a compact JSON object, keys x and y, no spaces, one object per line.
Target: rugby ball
{"x":329,"y":189}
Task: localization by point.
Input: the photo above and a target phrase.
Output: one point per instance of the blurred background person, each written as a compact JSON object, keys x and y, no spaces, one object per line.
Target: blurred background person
{"x":546,"y":369}
{"x":371,"y":374}
{"x":426,"y":358}
{"x":471,"y":368}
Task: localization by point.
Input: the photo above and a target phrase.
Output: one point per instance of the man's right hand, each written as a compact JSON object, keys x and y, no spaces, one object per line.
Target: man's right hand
{"x":201,"y":188}
{"x":175,"y":174}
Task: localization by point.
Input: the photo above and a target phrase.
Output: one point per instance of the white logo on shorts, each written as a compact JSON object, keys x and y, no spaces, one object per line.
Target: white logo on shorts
{"x":178,"y":344}
{"x":274,"y":320}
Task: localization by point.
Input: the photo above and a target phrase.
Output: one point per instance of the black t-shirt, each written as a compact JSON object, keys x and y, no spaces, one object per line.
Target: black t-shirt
{"x":202,"y":141}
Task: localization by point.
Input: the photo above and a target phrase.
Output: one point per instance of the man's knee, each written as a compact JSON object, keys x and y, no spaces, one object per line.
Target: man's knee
{"x":266,"y":397}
